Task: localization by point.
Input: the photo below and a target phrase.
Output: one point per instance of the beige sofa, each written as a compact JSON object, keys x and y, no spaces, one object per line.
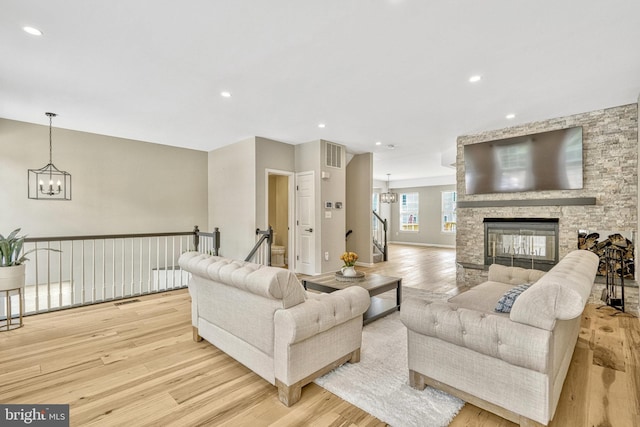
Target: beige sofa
{"x":511,"y":364}
{"x":262,"y":317}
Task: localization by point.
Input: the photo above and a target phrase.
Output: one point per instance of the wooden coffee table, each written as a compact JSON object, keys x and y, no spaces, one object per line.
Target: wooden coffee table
{"x":375,"y":284}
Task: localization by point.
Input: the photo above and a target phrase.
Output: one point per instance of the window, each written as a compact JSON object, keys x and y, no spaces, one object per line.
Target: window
{"x":409,"y":212}
{"x":448,"y":217}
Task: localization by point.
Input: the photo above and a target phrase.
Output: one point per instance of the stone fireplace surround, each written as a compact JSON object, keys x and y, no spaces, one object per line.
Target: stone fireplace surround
{"x":608,"y":199}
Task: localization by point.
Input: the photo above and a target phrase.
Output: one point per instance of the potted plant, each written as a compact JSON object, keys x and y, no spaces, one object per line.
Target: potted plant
{"x":12,"y":268}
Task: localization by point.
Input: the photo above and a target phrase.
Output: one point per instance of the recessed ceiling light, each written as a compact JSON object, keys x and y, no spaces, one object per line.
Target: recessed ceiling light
{"x":474,"y":79}
{"x":510,"y":116}
{"x":225,"y":94}
{"x":321,"y":125}
{"x":378,"y":143}
{"x":32,"y":31}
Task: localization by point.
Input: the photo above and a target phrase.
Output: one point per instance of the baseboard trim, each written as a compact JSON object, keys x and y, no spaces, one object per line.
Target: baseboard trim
{"x":434,"y":245}
{"x":365,"y":264}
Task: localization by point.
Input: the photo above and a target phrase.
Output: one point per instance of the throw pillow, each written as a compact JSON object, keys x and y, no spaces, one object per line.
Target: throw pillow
{"x":506,"y":301}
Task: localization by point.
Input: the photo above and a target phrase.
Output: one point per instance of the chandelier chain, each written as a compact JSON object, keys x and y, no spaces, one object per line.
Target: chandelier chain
{"x":51,"y":116}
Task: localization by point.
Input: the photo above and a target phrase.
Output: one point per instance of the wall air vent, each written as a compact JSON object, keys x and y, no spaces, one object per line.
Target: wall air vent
{"x":334,"y":155}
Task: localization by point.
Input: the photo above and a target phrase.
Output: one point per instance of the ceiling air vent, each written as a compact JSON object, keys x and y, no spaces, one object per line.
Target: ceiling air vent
{"x":334,"y":155}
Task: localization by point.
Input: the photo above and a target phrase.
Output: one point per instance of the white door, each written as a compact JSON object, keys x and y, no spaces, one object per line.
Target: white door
{"x":305,"y":223}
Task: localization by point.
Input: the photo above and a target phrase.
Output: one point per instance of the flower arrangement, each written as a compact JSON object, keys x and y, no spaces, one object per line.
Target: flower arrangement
{"x":349,"y":258}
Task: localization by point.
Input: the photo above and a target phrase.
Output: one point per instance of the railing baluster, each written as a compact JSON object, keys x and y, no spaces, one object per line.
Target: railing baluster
{"x":104,"y":270}
{"x":48,"y":276}
{"x":157,"y":279}
{"x":60,"y":275}
{"x":149,"y":269}
{"x":37,"y":280}
{"x":180,"y":241}
{"x":166,"y":266}
{"x":93,"y":268}
{"x":173,"y":262}
{"x":123,"y":270}
{"x":83,"y":281}
{"x":87,"y":278}
{"x":132,"y":266}
{"x":72,"y":278}
{"x":141,"y":269}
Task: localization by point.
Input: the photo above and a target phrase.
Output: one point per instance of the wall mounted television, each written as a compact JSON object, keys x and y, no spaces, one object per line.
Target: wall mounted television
{"x":543,"y":161}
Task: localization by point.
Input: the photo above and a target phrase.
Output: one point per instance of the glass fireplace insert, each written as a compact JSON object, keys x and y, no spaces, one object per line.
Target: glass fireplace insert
{"x":521,"y":242}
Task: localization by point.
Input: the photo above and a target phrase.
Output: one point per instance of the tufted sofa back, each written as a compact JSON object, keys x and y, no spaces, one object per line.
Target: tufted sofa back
{"x":269,"y":282}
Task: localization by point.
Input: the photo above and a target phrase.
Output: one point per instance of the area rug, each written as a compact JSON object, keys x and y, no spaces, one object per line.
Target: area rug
{"x":379,"y":383}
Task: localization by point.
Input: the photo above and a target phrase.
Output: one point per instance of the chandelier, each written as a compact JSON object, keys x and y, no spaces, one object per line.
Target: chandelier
{"x":49,"y":182}
{"x":388,"y":197}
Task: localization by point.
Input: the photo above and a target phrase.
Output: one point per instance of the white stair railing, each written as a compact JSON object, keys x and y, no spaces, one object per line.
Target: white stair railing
{"x":93,"y":269}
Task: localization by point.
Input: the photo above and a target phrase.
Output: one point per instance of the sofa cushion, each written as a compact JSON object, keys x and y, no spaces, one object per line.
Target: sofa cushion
{"x":508,"y":298}
{"x":513,"y":275}
{"x":561,"y":294}
{"x":482,"y":297}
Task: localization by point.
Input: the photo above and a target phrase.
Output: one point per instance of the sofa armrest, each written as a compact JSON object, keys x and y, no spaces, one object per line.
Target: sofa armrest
{"x":492,"y":335}
{"x":561,"y":294}
{"x":321,"y":313}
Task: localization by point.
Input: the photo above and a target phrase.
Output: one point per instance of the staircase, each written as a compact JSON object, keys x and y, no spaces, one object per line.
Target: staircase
{"x":380,"y":248}
{"x":377,"y":255}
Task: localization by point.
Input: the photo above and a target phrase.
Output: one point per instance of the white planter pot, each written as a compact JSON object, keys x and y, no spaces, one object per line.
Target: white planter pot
{"x":12,"y":277}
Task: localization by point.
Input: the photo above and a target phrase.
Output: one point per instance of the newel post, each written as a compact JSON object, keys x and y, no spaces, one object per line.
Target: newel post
{"x":196,"y":237}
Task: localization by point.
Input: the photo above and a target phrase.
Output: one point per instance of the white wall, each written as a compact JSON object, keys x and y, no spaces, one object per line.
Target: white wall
{"x":333,"y":230}
{"x":358,"y":206}
{"x":232,"y":197}
{"x":118,"y":185}
{"x":237,"y":190}
{"x":273,"y":155}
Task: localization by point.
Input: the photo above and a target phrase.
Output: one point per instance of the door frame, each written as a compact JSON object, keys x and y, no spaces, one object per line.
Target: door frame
{"x":290,"y":211}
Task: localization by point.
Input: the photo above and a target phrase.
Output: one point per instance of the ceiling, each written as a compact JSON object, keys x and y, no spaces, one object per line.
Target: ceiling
{"x":390,"y":71}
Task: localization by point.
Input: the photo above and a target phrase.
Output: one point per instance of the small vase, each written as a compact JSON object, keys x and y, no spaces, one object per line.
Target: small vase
{"x":349,"y":271}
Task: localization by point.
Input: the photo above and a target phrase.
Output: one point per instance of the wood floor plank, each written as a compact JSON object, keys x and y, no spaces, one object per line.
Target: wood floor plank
{"x":631,"y":330}
{"x":608,"y":404}
{"x":134,"y":413}
{"x":573,"y":403}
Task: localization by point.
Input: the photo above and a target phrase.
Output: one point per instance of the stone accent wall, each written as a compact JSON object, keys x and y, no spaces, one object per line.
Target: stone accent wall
{"x":610,"y":162}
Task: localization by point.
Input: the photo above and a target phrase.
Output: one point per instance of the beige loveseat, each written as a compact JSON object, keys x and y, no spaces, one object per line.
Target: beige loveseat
{"x":262,"y":317}
{"x":511,"y":364}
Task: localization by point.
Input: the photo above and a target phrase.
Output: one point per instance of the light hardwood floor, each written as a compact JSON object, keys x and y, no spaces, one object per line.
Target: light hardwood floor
{"x":135,"y":364}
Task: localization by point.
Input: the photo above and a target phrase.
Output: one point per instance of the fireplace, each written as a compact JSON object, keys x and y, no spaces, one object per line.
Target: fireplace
{"x":521,"y":242}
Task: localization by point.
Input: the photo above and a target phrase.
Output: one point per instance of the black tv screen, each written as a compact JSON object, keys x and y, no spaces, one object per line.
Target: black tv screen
{"x":542,"y":161}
